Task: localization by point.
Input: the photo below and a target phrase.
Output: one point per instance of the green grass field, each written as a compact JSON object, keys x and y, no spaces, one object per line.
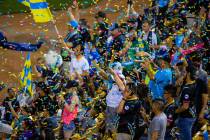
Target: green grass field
{"x":13,"y":6}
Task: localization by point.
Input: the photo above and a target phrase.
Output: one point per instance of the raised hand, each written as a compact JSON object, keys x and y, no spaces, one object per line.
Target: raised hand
{"x":75,"y":3}
{"x":70,"y":9}
{"x":95,"y":64}
{"x":111,"y":71}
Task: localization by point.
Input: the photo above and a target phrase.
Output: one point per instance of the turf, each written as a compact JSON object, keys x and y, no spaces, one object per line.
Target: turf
{"x":13,"y":6}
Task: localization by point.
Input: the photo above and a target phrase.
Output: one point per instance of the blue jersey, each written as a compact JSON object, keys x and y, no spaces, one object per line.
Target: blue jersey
{"x":162,"y":78}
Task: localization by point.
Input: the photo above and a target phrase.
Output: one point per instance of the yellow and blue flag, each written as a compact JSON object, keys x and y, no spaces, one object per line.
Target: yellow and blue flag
{"x":26,"y":78}
{"x":39,"y":9}
{"x":25,"y":2}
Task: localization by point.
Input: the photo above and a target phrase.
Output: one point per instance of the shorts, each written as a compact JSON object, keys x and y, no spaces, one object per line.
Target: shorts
{"x":69,"y":127}
{"x":123,"y":136}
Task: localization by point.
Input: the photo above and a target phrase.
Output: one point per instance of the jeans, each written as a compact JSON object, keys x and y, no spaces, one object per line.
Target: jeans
{"x":168,"y":135}
{"x":185,"y":125}
{"x":69,"y":127}
{"x":111,"y":114}
{"x":123,"y":136}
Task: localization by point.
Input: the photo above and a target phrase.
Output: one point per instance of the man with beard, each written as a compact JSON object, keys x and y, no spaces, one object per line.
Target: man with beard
{"x":201,"y":92}
{"x":169,"y":109}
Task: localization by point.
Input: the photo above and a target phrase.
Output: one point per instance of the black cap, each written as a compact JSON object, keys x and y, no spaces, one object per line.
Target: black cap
{"x":165,"y":58}
{"x":100,"y":14}
{"x":170,"y":89}
{"x":83,"y":23}
{"x":85,"y":34}
{"x":76,"y":40}
{"x":71,"y":83}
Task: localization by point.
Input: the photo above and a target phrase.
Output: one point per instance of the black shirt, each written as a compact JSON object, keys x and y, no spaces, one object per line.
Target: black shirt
{"x":201,"y":88}
{"x":8,"y":115}
{"x":170,"y":113}
{"x":128,"y":117}
{"x":118,"y":42}
{"x":188,"y":95}
{"x":46,"y":102}
{"x":116,"y":46}
{"x":100,"y":43}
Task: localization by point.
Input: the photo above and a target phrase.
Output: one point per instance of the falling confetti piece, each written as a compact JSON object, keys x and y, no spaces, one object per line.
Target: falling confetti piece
{"x":13,"y":75}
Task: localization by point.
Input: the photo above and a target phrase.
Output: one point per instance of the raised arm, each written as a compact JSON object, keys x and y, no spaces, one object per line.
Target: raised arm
{"x":77,"y":15}
{"x":125,"y":50}
{"x":147,"y":66}
{"x":118,"y":81}
{"x":12,"y":110}
{"x":101,"y":71}
{"x":70,"y":15}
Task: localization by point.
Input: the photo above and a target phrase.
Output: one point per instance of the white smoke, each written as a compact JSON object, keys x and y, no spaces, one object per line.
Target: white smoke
{"x":53,"y":59}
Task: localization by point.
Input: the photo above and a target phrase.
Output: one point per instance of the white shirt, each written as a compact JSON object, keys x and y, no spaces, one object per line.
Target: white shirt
{"x":154,"y":37}
{"x":24,"y":100}
{"x":114,"y":96}
{"x":79,"y":66}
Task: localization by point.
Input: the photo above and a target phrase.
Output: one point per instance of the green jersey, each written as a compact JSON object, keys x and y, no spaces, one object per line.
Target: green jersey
{"x":136,"y":47}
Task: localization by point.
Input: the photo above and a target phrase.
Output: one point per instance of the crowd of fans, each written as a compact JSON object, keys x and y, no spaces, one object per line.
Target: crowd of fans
{"x":140,"y":78}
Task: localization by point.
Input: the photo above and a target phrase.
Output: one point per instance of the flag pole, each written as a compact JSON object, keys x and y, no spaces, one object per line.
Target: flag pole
{"x":59,"y":36}
{"x":46,"y":15}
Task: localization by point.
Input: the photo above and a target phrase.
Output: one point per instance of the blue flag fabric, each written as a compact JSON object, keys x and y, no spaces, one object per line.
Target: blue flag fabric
{"x":18,"y":46}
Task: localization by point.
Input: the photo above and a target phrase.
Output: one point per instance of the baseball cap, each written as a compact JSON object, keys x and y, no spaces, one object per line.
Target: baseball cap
{"x":100,"y":14}
{"x":73,"y":24}
{"x":165,"y":58}
{"x":75,"y":39}
{"x":170,"y":89}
